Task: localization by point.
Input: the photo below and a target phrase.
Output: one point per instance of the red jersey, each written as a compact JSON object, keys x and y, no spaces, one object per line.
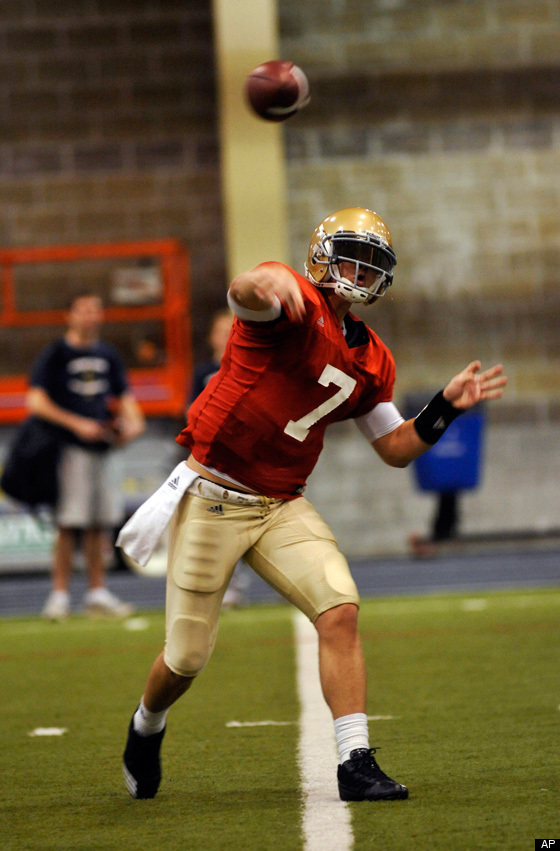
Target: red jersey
{"x":261,"y":419}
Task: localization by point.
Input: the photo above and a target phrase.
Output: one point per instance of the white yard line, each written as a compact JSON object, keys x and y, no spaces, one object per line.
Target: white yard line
{"x":259,"y":723}
{"x":326,"y":819}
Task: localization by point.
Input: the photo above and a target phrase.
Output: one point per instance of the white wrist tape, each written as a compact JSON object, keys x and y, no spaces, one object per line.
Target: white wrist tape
{"x":269,"y":315}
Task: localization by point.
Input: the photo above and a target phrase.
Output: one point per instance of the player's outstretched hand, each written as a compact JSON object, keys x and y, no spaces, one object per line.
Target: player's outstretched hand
{"x":471,"y":386}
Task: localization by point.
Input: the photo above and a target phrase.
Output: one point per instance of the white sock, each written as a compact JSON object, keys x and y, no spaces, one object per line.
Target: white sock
{"x":147,"y":723}
{"x":351,"y":733}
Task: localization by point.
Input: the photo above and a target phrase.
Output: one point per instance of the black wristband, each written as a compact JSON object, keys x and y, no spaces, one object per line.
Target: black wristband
{"x":432,"y":420}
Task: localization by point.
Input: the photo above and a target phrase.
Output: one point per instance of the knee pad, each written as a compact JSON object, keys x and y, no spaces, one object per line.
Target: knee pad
{"x":337,"y":574}
{"x":189,"y":645}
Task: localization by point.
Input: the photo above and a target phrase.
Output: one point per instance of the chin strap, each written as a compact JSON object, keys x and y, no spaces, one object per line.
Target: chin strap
{"x":351,"y":292}
{"x":344,"y":288}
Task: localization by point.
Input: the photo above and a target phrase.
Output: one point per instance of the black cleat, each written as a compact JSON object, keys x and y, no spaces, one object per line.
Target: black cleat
{"x":141,"y":764}
{"x":361,"y":779}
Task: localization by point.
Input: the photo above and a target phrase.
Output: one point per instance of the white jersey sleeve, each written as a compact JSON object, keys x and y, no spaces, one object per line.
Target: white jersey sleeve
{"x":381,"y":420}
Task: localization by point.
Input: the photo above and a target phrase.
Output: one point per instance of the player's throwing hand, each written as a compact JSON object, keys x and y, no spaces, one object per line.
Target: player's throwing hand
{"x":258,"y":289}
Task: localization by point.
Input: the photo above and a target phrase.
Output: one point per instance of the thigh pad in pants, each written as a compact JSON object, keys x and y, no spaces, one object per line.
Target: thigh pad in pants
{"x":203,"y":552}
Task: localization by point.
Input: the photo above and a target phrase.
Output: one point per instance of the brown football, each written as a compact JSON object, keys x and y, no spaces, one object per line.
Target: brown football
{"x":276,"y":90}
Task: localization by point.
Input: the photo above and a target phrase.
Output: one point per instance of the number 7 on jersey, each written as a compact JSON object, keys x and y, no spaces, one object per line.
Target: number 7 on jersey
{"x":299,"y":429}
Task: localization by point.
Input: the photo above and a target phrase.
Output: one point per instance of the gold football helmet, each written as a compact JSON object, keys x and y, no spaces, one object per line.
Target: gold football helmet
{"x":358,"y":236}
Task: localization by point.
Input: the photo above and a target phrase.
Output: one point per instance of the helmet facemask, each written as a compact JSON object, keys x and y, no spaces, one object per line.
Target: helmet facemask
{"x":368,"y":254}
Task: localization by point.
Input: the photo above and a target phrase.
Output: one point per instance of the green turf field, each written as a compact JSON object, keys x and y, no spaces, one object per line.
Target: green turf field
{"x":471,"y":682}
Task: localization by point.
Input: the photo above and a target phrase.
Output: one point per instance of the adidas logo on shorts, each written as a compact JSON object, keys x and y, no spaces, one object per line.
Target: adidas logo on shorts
{"x":173,"y":483}
{"x":216,"y":509}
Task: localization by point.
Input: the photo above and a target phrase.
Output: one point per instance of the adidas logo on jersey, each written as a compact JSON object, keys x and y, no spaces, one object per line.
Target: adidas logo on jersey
{"x":174,"y":483}
{"x":321,"y":322}
{"x":216,"y":509}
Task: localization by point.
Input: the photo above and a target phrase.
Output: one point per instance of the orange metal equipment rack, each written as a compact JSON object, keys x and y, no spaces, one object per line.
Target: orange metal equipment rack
{"x":160,"y":390}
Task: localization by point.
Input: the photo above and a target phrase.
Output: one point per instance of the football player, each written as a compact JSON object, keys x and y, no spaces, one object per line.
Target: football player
{"x":297,"y":360}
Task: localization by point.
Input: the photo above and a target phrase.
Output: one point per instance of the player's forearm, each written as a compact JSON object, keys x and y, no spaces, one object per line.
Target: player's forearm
{"x":401,"y":446}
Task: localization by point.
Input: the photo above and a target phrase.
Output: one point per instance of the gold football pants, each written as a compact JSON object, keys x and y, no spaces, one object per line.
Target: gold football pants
{"x":286,"y":542}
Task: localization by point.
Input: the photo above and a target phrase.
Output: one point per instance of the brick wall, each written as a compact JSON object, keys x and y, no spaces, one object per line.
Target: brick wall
{"x":108,"y":129}
{"x":445,"y":118}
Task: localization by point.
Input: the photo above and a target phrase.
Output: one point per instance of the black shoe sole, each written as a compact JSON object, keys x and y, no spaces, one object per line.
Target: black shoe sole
{"x":351,"y":795}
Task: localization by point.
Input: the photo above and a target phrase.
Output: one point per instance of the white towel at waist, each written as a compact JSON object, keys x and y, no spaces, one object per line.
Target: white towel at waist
{"x":140,"y":534}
